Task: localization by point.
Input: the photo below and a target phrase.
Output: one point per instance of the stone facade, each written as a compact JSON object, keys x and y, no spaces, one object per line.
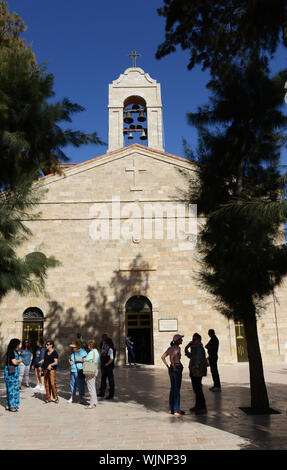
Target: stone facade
{"x":116,"y":224}
{"x":88,"y":292}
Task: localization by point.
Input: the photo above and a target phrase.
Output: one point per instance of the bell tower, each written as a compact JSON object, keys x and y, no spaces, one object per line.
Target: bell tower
{"x":135,"y":109}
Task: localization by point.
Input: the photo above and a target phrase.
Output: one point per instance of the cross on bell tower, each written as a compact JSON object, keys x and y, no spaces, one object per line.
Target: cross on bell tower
{"x":134,"y":57}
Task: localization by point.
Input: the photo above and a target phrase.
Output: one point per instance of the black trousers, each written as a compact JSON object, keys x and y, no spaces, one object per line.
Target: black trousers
{"x":197,"y":388}
{"x":107,"y":373}
{"x":214,"y":371}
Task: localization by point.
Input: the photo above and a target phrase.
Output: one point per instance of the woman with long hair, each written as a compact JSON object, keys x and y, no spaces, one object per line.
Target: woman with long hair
{"x":11,"y":375}
{"x":175,"y":374}
{"x":27,"y":357}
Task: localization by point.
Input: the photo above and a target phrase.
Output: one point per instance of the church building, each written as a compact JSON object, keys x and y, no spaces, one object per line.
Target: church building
{"x":124,"y":233}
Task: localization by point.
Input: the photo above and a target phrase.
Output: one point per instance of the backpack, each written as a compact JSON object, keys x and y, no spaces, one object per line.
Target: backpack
{"x":112,"y":365}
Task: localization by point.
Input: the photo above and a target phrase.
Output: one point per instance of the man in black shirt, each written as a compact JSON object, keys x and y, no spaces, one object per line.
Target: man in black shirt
{"x":212,"y":348}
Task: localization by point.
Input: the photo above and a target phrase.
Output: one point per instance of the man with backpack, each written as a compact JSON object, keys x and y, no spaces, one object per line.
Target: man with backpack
{"x":107,"y":369}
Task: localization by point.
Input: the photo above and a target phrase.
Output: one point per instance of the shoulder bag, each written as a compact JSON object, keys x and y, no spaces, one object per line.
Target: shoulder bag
{"x":90,"y":368}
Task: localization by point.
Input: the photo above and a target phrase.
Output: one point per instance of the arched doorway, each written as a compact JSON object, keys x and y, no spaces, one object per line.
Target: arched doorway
{"x":33,"y":325}
{"x":139,"y":326}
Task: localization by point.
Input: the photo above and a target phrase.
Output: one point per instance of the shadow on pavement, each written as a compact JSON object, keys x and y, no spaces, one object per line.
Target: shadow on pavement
{"x":149,"y":387}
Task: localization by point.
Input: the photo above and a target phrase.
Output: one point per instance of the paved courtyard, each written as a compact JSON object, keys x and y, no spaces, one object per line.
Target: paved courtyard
{"x":137,"y":418}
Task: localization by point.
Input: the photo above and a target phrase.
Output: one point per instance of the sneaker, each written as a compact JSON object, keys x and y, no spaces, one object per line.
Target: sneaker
{"x":37,"y":387}
{"x":216,"y":389}
{"x":178,"y":413}
{"x":42,"y":388}
{"x":70,"y":400}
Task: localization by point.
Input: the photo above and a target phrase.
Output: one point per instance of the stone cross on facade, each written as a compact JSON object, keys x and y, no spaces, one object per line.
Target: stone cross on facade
{"x":135,"y":171}
{"x":134,"y":57}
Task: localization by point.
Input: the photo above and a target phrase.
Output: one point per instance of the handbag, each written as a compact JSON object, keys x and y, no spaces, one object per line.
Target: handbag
{"x":11,"y":370}
{"x":90,"y":368}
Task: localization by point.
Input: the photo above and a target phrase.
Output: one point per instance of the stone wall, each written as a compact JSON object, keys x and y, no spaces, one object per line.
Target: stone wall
{"x":95,"y":279}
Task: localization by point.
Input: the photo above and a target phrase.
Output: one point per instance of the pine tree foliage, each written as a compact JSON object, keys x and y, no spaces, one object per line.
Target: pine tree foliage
{"x":241,"y":133}
{"x":11,"y":28}
{"x":32,"y":136}
{"x":34,"y":131}
{"x":242,"y":256}
{"x":26,"y":274}
{"x":216,"y":32}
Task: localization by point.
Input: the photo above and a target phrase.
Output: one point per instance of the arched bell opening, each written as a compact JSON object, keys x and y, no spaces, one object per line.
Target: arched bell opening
{"x":135,"y":120}
{"x":139,"y":325}
{"x":33,"y":326}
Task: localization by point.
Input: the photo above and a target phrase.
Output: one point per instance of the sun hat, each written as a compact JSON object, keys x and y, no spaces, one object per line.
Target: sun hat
{"x":75,"y":344}
{"x":177,"y":337}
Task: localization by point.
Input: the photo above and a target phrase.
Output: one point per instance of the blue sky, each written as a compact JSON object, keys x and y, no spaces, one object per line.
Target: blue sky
{"x":86,"y":45}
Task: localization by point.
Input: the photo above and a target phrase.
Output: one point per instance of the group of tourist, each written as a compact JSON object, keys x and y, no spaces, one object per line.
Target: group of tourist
{"x":85,"y":359}
{"x":84,"y":353}
{"x":198,"y":364}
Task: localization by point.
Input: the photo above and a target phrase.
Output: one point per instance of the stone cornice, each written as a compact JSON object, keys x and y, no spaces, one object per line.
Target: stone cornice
{"x":111,"y":156}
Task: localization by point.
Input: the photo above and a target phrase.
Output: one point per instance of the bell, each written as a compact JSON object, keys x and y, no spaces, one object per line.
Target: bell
{"x":130,"y":136}
{"x":139,"y":126}
{"x":143,"y":135}
{"x":141,"y":117}
{"x":128,"y":119}
{"x":132,"y":126}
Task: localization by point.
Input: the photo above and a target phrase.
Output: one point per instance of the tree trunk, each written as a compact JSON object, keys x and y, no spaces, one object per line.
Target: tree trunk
{"x":259,"y":396}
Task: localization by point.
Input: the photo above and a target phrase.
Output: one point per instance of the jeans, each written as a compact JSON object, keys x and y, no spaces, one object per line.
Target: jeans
{"x":175,"y":384}
{"x":77,"y":382}
{"x":131,"y":356}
